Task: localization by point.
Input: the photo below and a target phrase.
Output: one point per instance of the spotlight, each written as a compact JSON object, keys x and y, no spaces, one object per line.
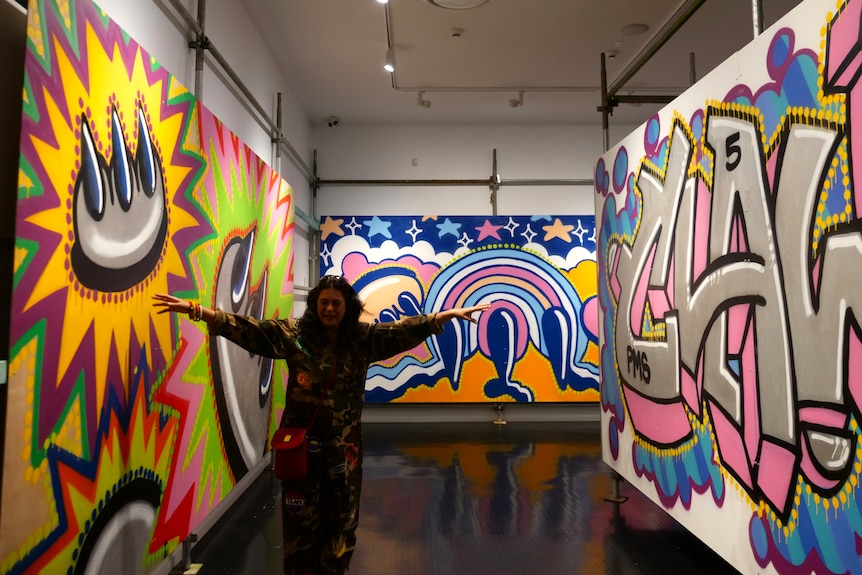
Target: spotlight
{"x":333,"y":122}
{"x":382,"y":1}
{"x":517,"y":102}
{"x":421,"y":101}
{"x":389,"y":66}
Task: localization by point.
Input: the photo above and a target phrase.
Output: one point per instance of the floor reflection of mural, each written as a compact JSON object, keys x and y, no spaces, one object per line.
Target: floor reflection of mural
{"x":536,"y":344}
{"x":126,"y":428}
{"x":447,"y":507}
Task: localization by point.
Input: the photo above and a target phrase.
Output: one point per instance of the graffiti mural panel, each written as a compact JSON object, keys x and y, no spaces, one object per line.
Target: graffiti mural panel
{"x":125,"y":427}
{"x":729,"y":259}
{"x":536,"y":344}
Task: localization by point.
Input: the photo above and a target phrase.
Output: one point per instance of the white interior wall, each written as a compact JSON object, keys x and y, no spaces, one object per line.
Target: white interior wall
{"x":456,"y":153}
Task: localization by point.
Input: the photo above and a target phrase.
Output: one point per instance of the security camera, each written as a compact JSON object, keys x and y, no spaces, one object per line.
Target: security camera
{"x":333,"y":122}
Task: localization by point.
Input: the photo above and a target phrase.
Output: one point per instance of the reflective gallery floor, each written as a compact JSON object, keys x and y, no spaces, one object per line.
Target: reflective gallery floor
{"x":476,"y":499}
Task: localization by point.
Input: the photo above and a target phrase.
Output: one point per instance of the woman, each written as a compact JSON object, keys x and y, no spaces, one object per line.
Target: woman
{"x":327,"y":351}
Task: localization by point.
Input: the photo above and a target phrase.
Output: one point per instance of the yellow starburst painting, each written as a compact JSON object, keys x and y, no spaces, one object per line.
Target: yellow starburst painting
{"x":118,"y":427}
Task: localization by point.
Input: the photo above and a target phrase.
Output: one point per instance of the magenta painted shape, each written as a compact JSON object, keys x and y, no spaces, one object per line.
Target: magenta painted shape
{"x":702,"y":214}
{"x":750,"y":396}
{"x":690,"y":391}
{"x":823,"y":416}
{"x":639,"y":295}
{"x":661,"y":423}
{"x":616,"y":288}
{"x":854,"y":368}
{"x":670,"y":284}
{"x":659,"y":302}
{"x":843,"y":41}
{"x":591,"y":316}
{"x":775,"y":473}
{"x":730,"y":445}
{"x":737,"y":322}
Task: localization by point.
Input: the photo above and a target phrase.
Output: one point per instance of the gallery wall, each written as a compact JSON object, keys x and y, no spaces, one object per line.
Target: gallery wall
{"x":458,"y":152}
{"x":127,"y":428}
{"x":729,"y":258}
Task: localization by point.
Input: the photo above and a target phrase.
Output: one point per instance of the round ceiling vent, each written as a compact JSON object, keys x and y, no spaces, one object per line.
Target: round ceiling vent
{"x":457,"y":4}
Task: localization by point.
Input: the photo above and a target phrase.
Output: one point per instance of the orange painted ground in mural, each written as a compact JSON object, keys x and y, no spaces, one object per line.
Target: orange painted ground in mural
{"x":533,"y":371}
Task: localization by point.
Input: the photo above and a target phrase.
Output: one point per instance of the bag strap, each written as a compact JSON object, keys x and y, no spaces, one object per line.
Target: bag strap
{"x":325,"y":390}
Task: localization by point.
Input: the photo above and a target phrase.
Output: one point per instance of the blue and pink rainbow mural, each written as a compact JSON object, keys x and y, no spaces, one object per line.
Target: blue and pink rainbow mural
{"x":730,"y":259}
{"x":538,"y":341}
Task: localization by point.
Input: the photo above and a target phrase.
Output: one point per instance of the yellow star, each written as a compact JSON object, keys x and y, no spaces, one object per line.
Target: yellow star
{"x":558,"y":230}
{"x":330,"y":226}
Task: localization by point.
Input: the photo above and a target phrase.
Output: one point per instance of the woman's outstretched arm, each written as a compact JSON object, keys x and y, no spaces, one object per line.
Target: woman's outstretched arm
{"x":391,"y":338}
{"x":168,"y":303}
{"x":465,"y":313}
{"x":269,"y":338}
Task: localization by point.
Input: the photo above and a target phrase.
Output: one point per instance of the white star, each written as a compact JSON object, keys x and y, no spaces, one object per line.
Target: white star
{"x":511,"y":227}
{"x":414,"y":231}
{"x":580,"y":232}
{"x":326,"y":255}
{"x":465,"y":241}
{"x":353,"y":226}
{"x":592,"y":238}
{"x":528,"y":234}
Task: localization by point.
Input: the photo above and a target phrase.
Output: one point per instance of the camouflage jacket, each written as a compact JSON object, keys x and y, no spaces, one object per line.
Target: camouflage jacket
{"x":308,"y":375}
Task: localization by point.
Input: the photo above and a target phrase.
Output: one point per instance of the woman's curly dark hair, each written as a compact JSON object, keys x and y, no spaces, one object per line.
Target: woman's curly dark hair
{"x":314,"y":335}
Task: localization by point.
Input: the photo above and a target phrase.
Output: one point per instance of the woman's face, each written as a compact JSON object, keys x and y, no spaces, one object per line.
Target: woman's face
{"x":330,"y":308}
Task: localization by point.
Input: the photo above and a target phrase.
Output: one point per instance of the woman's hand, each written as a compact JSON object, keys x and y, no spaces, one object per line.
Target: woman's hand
{"x":168,"y":303}
{"x":465,"y":313}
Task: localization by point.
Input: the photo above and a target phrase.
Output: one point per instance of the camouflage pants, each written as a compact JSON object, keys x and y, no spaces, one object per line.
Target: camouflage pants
{"x":320,"y":513}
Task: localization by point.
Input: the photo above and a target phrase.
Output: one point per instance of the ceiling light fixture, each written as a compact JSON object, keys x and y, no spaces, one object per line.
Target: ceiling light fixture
{"x":457,"y":4}
{"x":382,"y":1}
{"x":517,"y":102}
{"x":389,"y":66}
{"x":634,"y":29}
{"x":421,"y":101}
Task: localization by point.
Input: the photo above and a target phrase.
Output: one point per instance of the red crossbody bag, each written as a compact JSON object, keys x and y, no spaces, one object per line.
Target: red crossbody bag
{"x":290,"y":444}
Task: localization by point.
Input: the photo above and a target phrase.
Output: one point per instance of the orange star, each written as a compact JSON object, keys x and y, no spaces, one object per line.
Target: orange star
{"x":330,"y":226}
{"x":558,"y":230}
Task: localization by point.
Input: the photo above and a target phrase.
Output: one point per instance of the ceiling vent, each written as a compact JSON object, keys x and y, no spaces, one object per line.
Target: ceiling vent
{"x":457,"y":4}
